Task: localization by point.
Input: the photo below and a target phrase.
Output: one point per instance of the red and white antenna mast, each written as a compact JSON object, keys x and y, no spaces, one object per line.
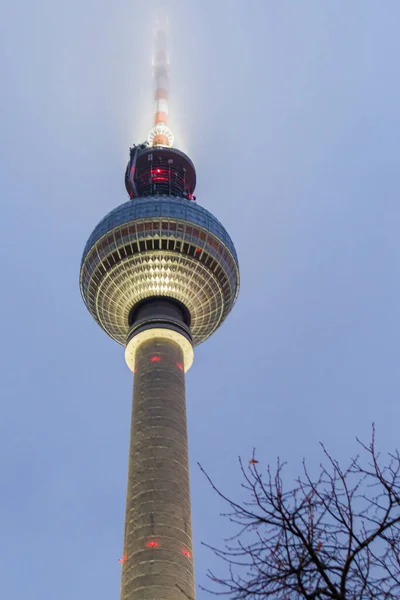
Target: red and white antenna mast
{"x":160,"y":134}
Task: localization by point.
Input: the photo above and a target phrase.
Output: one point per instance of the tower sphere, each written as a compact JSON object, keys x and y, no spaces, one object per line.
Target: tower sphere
{"x":154,"y":246}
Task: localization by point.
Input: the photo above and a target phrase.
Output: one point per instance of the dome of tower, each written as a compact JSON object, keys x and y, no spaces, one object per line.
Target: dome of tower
{"x":159,"y":246}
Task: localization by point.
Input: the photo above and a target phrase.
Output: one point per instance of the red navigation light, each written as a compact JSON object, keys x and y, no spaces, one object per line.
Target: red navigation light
{"x":180,"y":366}
{"x":123,"y":559}
{"x":152,"y":544}
{"x":198,"y":250}
{"x":160,"y":175}
{"x":155,"y":358}
{"x":187,"y":553}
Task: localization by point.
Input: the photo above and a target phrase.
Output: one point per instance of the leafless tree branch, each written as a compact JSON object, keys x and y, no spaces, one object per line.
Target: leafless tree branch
{"x":336,"y":537}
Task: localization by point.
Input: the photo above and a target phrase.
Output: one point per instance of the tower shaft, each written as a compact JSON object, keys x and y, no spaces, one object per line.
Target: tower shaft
{"x":158,"y":563}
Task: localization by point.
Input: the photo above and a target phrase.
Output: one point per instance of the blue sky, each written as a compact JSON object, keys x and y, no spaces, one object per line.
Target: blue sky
{"x":290,"y":111}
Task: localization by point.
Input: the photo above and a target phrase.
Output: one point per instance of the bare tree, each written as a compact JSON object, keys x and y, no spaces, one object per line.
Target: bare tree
{"x":334,"y":537}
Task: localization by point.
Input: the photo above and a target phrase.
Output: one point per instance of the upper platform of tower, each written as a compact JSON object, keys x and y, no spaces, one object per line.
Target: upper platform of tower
{"x":159,"y":170}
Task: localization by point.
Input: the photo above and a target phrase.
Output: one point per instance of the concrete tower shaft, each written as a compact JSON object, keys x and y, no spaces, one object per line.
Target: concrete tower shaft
{"x":158,"y":555}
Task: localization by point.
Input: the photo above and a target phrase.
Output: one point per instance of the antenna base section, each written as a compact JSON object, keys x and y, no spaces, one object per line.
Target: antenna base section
{"x":161,"y":135}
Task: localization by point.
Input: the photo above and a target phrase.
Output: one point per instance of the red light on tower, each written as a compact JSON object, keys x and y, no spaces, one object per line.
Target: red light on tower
{"x":180,"y":366}
{"x":155,"y":358}
{"x":187,"y":553}
{"x":152,"y":544}
{"x":160,"y":175}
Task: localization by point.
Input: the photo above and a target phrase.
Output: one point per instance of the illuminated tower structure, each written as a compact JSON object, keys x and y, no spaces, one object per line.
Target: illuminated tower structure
{"x":159,"y":274}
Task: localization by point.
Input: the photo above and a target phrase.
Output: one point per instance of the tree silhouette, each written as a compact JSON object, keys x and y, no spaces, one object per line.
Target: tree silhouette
{"x":336,"y":537}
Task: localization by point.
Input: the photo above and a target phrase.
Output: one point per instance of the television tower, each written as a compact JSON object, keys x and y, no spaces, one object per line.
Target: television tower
{"x":159,"y":274}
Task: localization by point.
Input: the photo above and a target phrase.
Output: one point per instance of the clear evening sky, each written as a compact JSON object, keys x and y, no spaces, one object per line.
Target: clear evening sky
{"x":290,"y":112}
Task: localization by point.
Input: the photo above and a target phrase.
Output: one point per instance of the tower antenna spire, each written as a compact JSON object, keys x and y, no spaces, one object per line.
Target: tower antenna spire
{"x":160,"y":134}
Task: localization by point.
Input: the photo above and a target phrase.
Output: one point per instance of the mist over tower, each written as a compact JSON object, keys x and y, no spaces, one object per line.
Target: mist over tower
{"x":159,"y":274}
